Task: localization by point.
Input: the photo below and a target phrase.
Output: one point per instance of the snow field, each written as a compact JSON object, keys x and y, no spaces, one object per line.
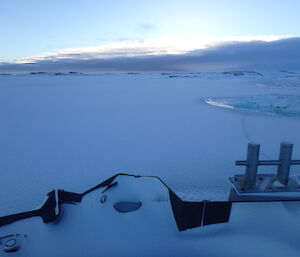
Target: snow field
{"x":71,"y":132}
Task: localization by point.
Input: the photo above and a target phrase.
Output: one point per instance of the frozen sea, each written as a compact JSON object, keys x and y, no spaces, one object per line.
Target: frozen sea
{"x":74,"y":131}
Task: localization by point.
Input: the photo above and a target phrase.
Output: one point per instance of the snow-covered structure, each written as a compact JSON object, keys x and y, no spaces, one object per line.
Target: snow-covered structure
{"x":129,"y":215}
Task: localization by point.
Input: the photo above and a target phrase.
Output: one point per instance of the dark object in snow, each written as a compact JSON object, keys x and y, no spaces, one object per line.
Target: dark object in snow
{"x":216,"y":212}
{"x":186,"y":214}
{"x":242,"y":73}
{"x":110,"y":186}
{"x":11,"y":244}
{"x":49,"y":211}
{"x":245,"y":188}
{"x":103,"y":199}
{"x":195,"y":214}
{"x":124,"y":207}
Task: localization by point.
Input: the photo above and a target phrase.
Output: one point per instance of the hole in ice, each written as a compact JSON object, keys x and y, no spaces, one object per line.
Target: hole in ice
{"x":125,"y":206}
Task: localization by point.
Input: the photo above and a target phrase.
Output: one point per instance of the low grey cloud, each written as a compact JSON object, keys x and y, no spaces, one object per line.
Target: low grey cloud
{"x":147,"y":26}
{"x":259,"y":55}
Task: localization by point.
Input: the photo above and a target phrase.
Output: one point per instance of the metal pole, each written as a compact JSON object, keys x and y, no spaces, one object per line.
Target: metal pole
{"x":285,"y":157}
{"x":252,"y":163}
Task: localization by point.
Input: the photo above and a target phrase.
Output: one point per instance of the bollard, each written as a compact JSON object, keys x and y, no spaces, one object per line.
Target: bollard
{"x":285,"y":157}
{"x":252,"y":163}
{"x":247,"y":183}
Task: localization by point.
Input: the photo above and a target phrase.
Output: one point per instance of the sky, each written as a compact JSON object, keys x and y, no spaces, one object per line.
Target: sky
{"x":32,"y":31}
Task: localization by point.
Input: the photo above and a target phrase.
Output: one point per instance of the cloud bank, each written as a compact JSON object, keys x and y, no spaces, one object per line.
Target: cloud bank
{"x":138,"y":57}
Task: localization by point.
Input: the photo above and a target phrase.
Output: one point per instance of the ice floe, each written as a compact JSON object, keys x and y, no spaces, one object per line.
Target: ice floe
{"x":279,"y":104}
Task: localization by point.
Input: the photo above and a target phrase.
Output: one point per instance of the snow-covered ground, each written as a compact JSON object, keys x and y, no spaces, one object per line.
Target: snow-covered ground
{"x":73,"y":131}
{"x":92,"y":228}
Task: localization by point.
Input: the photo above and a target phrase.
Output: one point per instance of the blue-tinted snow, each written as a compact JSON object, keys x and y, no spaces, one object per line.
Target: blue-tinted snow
{"x":72,"y":132}
{"x":91,"y":228}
